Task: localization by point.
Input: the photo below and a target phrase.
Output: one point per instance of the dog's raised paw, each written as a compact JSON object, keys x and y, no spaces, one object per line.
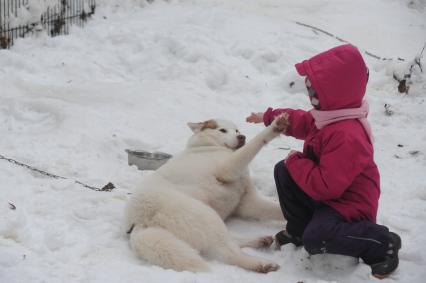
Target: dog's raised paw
{"x":266,"y":267}
{"x":281,"y":123}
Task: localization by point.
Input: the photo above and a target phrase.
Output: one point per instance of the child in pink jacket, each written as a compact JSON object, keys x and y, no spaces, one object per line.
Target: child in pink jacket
{"x":329,"y":192}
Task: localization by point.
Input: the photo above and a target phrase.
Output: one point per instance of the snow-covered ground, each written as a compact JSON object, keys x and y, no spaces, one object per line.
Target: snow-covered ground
{"x":133,"y":78}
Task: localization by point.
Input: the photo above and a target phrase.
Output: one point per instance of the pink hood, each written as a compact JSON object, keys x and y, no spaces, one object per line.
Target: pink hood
{"x":338,"y":75}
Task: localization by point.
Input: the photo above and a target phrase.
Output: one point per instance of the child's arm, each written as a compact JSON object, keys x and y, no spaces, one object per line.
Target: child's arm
{"x":343,"y":158}
{"x":300,"y":121}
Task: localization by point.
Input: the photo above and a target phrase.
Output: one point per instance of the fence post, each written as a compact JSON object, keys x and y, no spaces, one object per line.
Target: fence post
{"x":56,"y":19}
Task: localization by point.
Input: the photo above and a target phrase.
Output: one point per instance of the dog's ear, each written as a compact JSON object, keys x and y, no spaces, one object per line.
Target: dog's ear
{"x":196,"y":127}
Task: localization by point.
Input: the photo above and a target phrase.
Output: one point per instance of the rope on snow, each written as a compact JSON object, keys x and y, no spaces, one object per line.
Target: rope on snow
{"x":345,"y":41}
{"x":107,"y":188}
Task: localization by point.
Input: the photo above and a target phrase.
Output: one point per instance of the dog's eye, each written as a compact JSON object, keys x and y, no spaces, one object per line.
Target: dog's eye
{"x":223,"y":131}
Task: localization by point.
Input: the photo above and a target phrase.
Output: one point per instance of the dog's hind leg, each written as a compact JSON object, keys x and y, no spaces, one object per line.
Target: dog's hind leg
{"x":160,"y":247}
{"x":235,"y":166}
{"x":254,"y":206}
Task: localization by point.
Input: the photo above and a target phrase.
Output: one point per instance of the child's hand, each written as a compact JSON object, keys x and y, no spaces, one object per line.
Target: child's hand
{"x":291,"y":153}
{"x":255,"y":118}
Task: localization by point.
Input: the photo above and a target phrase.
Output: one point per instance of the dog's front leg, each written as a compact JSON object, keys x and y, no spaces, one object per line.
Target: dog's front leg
{"x":235,"y":166}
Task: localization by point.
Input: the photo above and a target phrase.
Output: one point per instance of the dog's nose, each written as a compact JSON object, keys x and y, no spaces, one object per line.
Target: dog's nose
{"x":241,"y":137}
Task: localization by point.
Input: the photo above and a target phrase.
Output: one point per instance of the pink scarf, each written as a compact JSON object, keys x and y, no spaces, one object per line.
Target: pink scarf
{"x":323,"y":118}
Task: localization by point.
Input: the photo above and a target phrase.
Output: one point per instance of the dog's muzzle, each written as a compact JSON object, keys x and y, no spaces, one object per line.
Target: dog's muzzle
{"x":241,"y":141}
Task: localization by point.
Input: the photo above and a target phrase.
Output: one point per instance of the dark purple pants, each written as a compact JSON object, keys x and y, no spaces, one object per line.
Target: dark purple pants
{"x":322,"y":229}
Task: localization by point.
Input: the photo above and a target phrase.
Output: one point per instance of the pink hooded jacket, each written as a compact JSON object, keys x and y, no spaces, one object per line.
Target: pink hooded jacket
{"x":337,"y":164}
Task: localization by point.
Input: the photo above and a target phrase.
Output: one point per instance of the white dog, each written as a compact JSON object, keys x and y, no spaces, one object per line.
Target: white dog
{"x":178,"y":212}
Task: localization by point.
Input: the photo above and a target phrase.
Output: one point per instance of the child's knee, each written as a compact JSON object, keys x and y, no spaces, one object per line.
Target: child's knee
{"x":280,"y":168}
{"x":281,"y":173}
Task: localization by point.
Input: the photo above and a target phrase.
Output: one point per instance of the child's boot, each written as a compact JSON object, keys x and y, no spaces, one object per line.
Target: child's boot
{"x":283,"y":238}
{"x":384,"y":268}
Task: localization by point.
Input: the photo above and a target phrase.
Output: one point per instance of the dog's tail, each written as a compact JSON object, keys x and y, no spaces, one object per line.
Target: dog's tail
{"x":160,"y":247}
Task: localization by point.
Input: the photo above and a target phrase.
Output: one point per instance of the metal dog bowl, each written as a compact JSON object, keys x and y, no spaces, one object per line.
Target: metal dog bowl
{"x":145,"y":160}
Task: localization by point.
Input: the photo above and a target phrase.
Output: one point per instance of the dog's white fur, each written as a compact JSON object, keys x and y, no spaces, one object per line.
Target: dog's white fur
{"x":178,"y":212}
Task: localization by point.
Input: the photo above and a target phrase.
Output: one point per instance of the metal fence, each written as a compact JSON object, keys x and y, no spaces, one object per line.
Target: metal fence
{"x":19,"y":18}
